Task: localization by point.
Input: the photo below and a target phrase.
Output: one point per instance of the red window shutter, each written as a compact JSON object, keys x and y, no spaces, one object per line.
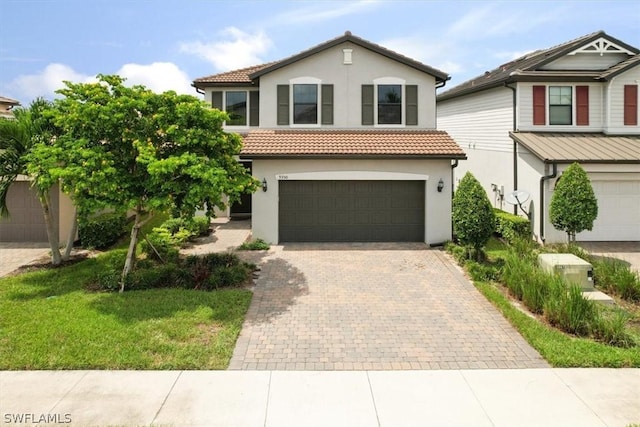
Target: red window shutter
{"x":539,"y":107}
{"x":631,"y":105}
{"x":582,"y":105}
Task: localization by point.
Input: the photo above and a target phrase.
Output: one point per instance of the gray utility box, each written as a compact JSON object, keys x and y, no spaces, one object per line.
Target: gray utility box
{"x":573,"y":269}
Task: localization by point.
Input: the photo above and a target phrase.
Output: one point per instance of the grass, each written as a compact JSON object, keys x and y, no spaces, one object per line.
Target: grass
{"x":558,"y":348}
{"x":49,"y":321}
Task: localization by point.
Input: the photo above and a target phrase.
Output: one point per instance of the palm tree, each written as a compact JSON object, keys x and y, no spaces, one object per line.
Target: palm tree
{"x":18,"y":137}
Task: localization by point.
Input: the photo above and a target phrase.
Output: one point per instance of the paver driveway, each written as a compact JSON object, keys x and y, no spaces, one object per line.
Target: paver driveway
{"x":372,"y":307}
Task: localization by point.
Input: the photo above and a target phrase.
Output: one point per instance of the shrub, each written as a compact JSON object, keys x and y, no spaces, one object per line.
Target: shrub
{"x":573,"y":206}
{"x":102,"y":231}
{"x":614,"y":275}
{"x":568,"y":309}
{"x":171,"y":235}
{"x":160,"y":245}
{"x":484,"y":272}
{"x":228,"y":276}
{"x":611,"y":328}
{"x":536,"y":291}
{"x":255,"y":245}
{"x":512,"y":227}
{"x":473,"y":217}
{"x":160,"y":276}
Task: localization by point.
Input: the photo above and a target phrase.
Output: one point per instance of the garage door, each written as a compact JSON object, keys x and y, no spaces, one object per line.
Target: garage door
{"x":351,"y":211}
{"x":618,"y":212}
{"x":26,"y":221}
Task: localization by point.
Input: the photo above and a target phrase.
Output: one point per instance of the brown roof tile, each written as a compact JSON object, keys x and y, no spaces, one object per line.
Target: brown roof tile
{"x":234,"y":76}
{"x":580,"y":147}
{"x":357,"y":143}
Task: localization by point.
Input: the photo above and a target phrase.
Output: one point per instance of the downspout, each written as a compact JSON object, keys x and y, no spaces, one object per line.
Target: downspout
{"x":542,"y":180}
{"x":515,"y":145}
{"x":201,"y":92}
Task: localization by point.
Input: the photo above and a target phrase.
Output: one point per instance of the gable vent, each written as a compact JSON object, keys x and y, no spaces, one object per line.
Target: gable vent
{"x":347,"y":56}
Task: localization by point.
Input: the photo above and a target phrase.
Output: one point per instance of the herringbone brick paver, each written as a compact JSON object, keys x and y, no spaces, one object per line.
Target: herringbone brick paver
{"x":372,"y":307}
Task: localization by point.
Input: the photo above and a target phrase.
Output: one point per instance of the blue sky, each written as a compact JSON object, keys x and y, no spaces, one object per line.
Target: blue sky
{"x":166,"y":44}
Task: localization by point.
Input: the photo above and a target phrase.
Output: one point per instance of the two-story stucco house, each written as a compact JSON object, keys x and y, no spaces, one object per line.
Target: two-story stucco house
{"x":524,"y":122}
{"x":343,"y":138}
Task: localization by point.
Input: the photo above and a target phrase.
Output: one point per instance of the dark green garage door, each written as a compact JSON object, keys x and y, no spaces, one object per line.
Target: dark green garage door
{"x":351,"y":211}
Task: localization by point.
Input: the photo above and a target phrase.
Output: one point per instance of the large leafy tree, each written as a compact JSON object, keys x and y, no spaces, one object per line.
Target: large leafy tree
{"x":573,"y":206}
{"x":473,"y":216}
{"x":19,"y":138}
{"x":132,"y":149}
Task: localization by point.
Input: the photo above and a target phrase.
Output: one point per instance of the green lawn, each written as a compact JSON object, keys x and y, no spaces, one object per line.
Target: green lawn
{"x":49,"y":321}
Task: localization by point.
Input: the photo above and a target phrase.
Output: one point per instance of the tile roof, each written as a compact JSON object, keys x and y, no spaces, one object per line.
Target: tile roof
{"x":249,"y":74}
{"x":5,"y":100}
{"x":234,"y":76}
{"x":350,"y":143}
{"x":526,"y":67}
{"x":580,"y":147}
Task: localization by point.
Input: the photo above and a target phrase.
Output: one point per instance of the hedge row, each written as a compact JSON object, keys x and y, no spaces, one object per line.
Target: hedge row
{"x":512,"y":227}
{"x":102,"y":231}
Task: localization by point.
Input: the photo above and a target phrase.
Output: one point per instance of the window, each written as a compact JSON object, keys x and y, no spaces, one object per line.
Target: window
{"x":312,"y":103}
{"x":305,"y":104}
{"x":236,"y":103}
{"x":560,"y":105}
{"x":389,"y":104}
{"x":396,"y":103}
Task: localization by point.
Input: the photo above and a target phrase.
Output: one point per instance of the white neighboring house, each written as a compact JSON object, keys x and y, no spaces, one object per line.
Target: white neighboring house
{"x":343,"y":137}
{"x":524,"y":122}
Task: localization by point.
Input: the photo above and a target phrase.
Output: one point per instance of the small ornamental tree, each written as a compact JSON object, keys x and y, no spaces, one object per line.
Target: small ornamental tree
{"x":131,"y":149}
{"x":573,"y":206}
{"x":473,"y":216}
{"x":19,"y":138}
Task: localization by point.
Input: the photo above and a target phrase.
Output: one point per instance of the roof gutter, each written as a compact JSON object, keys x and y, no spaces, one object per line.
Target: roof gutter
{"x":515,"y":144}
{"x":542,"y":181}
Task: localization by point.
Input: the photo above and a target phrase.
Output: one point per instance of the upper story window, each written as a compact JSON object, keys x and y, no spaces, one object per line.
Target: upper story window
{"x":305,"y":101}
{"x":305,"y":104}
{"x":243,"y":107}
{"x":560,"y":105}
{"x":236,"y":107}
{"x":563,"y":105}
{"x":389,"y":104}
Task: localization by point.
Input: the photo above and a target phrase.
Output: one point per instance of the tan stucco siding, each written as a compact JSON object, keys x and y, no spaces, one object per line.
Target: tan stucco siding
{"x":327,"y":67}
{"x":437,"y":205}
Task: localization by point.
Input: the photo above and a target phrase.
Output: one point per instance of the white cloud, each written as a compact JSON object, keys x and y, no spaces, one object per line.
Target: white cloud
{"x":510,"y":55}
{"x":237,"y":49}
{"x":46,"y":82}
{"x":425,"y":50}
{"x":495,"y":20}
{"x":158,"y":76}
{"x":320,"y":12}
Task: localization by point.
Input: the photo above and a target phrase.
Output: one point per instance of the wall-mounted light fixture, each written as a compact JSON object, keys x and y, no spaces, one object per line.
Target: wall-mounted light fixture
{"x":440,"y":185}
{"x":264,"y":184}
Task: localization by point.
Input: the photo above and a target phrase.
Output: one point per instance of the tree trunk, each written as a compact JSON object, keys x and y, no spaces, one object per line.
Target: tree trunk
{"x":131,"y":253}
{"x":52,"y":228}
{"x":72,"y":237}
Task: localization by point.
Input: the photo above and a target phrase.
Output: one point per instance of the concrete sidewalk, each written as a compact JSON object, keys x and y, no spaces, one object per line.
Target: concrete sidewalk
{"x":523,"y":397}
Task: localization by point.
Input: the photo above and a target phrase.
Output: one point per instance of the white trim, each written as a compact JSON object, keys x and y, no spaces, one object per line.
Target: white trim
{"x":305,"y":80}
{"x":390,"y":81}
{"x":601,"y":46}
{"x":351,"y":176}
